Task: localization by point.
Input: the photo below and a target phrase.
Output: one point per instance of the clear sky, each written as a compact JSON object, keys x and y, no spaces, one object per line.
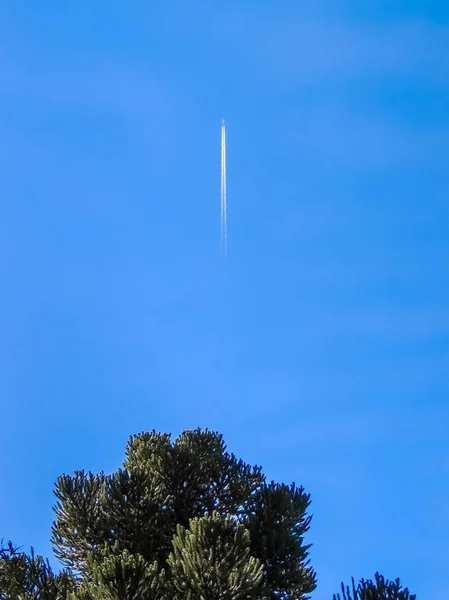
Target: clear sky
{"x":323,"y":352}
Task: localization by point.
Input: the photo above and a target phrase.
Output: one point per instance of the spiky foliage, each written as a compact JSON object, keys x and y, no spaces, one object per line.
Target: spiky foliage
{"x":112,"y":574}
{"x":81,"y":526}
{"x":14,"y":578}
{"x":211,"y":560}
{"x":196,"y":474}
{"x":182,"y":520}
{"x":29,"y":577}
{"x":379,"y":589}
{"x":162,"y":485}
{"x":277,"y":522}
{"x":165,"y":484}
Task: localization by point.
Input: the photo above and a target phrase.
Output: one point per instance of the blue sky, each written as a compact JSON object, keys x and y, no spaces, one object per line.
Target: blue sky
{"x":323,"y":353}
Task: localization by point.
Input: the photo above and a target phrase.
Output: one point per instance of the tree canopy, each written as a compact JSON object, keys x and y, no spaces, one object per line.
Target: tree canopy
{"x":379,"y":589}
{"x":179,"y":520}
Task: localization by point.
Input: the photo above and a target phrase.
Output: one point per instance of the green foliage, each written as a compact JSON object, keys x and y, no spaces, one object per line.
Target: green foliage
{"x":162,"y":485}
{"x":380,"y":589}
{"x":13,"y":573}
{"x":182,"y":520}
{"x":136,"y":518}
{"x":81,"y":525}
{"x":195,"y":475}
{"x":112,"y":574}
{"x":277,"y":522}
{"x":24,"y":577}
{"x":212,"y":560}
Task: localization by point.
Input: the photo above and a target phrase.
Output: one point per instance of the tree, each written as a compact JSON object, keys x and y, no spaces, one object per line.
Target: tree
{"x":277,"y":521}
{"x":162,"y":491}
{"x":211,"y":559}
{"x":119,"y":575}
{"x":179,"y":520}
{"x":29,"y":577}
{"x":380,"y":589}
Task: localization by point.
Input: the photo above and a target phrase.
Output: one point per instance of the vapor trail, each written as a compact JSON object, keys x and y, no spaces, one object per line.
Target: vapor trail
{"x":223,"y":207}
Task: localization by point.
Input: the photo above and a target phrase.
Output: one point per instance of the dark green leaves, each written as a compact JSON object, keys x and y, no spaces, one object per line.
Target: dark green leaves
{"x":162,"y":485}
{"x":211,"y":560}
{"x":112,"y":574}
{"x":380,"y":589}
{"x":182,"y":520}
{"x":81,"y":521}
{"x":24,"y":577}
{"x":277,"y":522}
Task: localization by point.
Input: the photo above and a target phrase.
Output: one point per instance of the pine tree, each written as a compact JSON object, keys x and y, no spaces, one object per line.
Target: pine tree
{"x":380,"y":589}
{"x":163,"y":486}
{"x":277,"y":522}
{"x":112,"y":574}
{"x":81,"y":525}
{"x":211,"y":560}
{"x":30,"y":577}
{"x":182,"y":520}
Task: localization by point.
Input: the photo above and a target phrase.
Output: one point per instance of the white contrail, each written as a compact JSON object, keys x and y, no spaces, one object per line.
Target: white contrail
{"x":223,"y":207}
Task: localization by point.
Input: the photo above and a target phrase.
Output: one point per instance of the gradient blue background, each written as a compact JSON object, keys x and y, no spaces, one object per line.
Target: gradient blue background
{"x":323,"y":353}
